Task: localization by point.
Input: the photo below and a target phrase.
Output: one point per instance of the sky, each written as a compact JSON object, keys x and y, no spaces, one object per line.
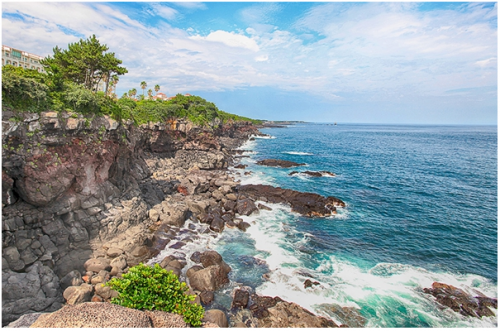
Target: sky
{"x":345,"y":62}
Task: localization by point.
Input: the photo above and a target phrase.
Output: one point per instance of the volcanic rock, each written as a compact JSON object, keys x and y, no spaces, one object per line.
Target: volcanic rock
{"x":313,"y":173}
{"x":279,"y":163}
{"x":461,"y":302}
{"x":307,"y":204}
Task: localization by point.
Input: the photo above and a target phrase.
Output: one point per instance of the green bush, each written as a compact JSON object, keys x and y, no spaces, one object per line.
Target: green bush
{"x":154,"y":288}
{"x":22,"y":89}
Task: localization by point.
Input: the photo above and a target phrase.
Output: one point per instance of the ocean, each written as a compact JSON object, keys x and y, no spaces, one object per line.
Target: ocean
{"x":421,"y":206}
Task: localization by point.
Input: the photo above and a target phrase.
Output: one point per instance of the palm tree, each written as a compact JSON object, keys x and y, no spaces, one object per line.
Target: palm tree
{"x":134,"y":92}
{"x":143,"y":86}
{"x":150,"y":93}
{"x":130,"y":93}
{"x":157,"y":88}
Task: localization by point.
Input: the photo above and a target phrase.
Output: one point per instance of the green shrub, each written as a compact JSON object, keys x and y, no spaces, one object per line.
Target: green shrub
{"x":23,"y":90}
{"x":154,"y":288}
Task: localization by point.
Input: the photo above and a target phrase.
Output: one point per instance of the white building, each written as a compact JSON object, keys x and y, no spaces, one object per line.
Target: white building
{"x":20,"y":58}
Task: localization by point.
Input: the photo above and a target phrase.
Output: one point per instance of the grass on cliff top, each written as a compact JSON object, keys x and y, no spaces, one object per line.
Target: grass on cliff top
{"x":28,"y":90}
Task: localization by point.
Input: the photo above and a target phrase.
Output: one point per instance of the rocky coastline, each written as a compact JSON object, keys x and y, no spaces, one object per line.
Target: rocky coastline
{"x":86,"y":199}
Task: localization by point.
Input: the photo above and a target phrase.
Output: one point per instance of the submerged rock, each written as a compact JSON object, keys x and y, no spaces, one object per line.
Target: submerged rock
{"x":279,"y":163}
{"x":313,"y":173}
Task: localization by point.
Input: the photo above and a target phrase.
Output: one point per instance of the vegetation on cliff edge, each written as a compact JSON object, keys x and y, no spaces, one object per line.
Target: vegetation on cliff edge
{"x":71,"y":85}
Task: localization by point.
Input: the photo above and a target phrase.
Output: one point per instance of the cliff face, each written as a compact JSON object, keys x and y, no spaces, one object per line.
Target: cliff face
{"x":71,"y":184}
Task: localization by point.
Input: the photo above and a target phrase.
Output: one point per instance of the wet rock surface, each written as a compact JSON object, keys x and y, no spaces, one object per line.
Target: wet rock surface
{"x":313,"y":173}
{"x":307,"y":204}
{"x":279,"y":163}
{"x":462,"y":302}
{"x":276,"y":313}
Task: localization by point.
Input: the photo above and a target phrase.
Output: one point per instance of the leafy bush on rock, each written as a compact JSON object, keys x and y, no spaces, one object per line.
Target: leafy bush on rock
{"x":154,"y":288}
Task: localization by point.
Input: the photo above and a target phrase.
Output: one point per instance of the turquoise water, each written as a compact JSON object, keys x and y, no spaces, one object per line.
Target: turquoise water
{"x":421,"y":207}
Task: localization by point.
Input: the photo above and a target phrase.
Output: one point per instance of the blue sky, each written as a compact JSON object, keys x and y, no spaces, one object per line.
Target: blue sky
{"x":416,"y":63}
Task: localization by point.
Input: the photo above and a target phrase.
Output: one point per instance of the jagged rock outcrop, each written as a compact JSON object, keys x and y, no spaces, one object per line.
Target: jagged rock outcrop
{"x":279,"y":163}
{"x":74,"y":188}
{"x":461,"y":302}
{"x":307,"y":204}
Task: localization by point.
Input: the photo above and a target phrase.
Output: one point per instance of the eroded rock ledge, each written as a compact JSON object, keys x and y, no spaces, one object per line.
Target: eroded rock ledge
{"x":307,"y":204}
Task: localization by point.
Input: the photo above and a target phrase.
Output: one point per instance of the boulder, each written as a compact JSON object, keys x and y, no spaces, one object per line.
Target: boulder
{"x":78,"y":294}
{"x":105,"y":292}
{"x":192,"y":270}
{"x":310,"y":283}
{"x":195,"y":257}
{"x":94,"y":315}
{"x":209,"y":258}
{"x":240,"y":299}
{"x":245,"y":207}
{"x":96,"y":265}
{"x":206,"y":297}
{"x":119,"y":262}
{"x":74,"y":278}
{"x":162,"y":319}
{"x":24,"y":321}
{"x":114,"y":252}
{"x":243,"y":226}
{"x":209,"y":279}
{"x":217,"y":317}
{"x":217,"y":224}
{"x":276,"y":313}
{"x":101,"y":277}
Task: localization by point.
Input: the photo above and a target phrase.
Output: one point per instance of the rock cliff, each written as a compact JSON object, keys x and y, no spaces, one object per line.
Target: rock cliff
{"x":71,"y":185}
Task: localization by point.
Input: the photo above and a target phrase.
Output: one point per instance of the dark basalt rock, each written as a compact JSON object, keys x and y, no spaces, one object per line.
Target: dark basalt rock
{"x":348,"y":316}
{"x":240,"y":299}
{"x":307,"y":204}
{"x":313,"y":173}
{"x":310,"y":283}
{"x":240,"y":166}
{"x":264,"y":207}
{"x":279,"y":163}
{"x":217,"y":224}
{"x":206,"y":297}
{"x":245,"y":207}
{"x":243,"y":226}
{"x":461,"y":302}
{"x":177,"y":245}
{"x":284,"y":314}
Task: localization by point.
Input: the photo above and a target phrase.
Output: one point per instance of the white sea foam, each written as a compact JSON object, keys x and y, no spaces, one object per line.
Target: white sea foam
{"x":263,"y":137}
{"x":383,"y":288}
{"x":298,"y":153}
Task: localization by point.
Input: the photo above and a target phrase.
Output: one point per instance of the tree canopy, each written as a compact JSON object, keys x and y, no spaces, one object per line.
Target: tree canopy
{"x":84,"y":62}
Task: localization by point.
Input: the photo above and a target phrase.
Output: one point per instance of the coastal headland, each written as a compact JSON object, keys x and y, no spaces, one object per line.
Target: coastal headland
{"x":85,"y":200}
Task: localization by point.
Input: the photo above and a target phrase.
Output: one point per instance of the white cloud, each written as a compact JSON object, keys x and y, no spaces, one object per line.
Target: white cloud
{"x":230,"y":39}
{"x":491,"y":62}
{"x":262,"y":58}
{"x":373,"y":48}
{"x":164,"y":11}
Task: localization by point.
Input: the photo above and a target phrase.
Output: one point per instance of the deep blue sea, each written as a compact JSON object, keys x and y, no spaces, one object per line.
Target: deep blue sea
{"x":421,"y":207}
